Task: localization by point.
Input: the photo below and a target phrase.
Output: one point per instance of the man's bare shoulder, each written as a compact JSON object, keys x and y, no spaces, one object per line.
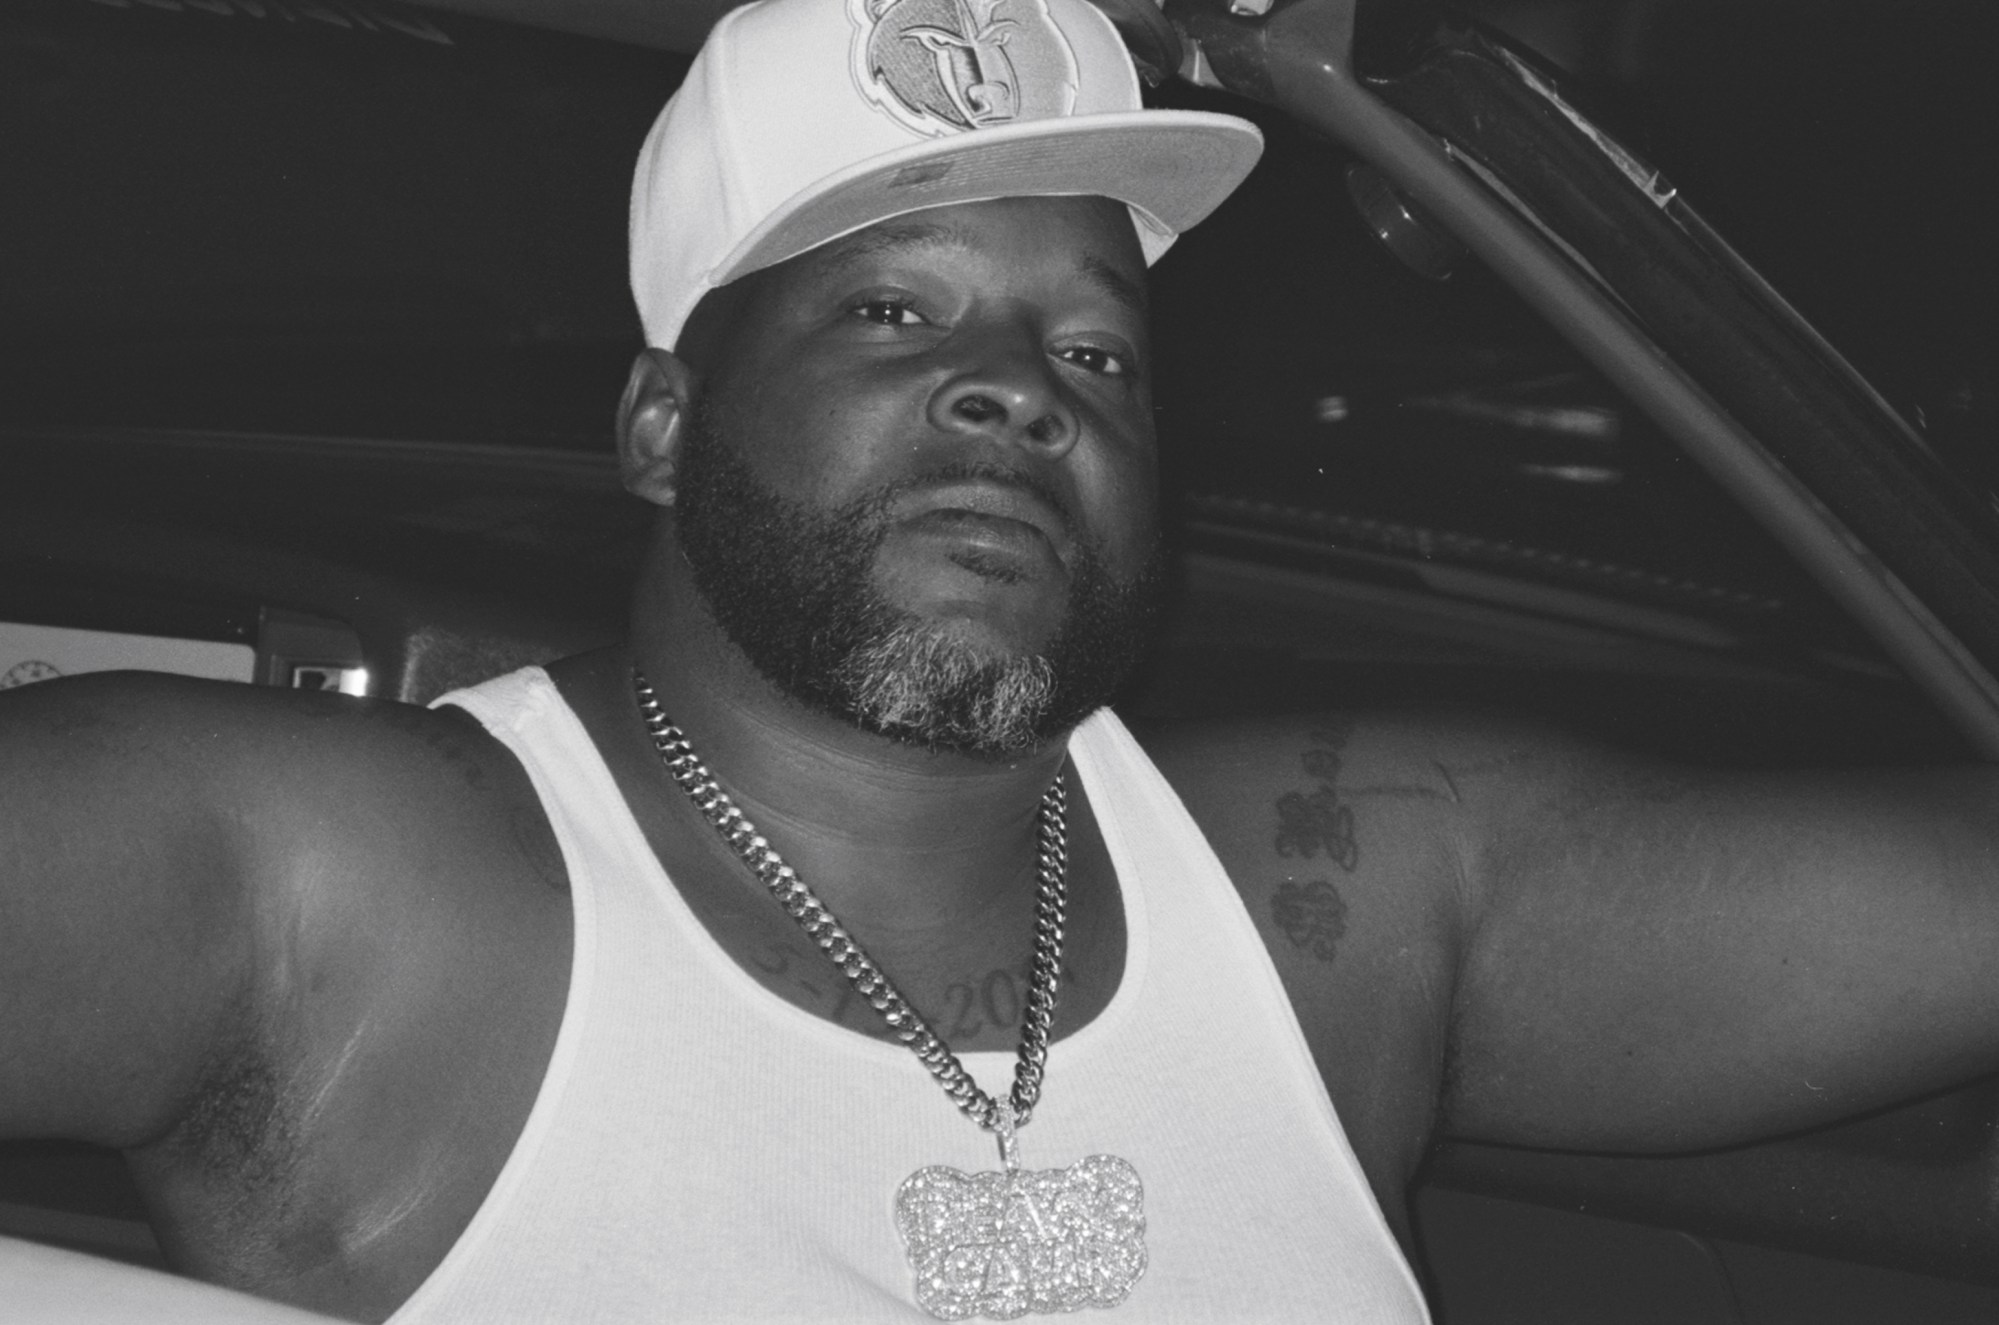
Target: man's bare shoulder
{"x":1406,"y":808}
{"x":207,"y":840}
{"x":283,"y":909}
{"x":1460,"y":763}
{"x":1353,"y":840}
{"x":1308,"y":811}
{"x":301,"y":767}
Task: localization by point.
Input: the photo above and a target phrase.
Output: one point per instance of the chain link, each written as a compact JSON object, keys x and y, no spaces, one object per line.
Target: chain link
{"x":1050,"y":909}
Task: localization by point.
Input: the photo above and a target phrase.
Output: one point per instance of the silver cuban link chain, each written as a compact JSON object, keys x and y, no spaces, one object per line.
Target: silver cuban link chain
{"x":798,"y":901}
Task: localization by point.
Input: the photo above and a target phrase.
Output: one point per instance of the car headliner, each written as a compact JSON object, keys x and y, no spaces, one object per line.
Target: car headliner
{"x":676,"y":25}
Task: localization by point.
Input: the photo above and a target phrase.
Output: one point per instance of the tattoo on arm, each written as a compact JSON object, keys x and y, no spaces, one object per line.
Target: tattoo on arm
{"x":1312,"y":915}
{"x":1309,"y":822}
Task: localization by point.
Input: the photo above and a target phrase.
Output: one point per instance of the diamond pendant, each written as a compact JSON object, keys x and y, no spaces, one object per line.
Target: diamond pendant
{"x":1007,"y":1243}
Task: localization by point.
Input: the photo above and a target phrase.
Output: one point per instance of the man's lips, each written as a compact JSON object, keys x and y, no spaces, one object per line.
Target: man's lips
{"x":1003,"y":517}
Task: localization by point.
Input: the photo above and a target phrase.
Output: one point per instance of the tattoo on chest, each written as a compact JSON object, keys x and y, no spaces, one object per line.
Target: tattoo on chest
{"x":1315,"y":821}
{"x":962,"y":1009}
{"x":535,"y":843}
{"x":972,"y":1005}
{"x":1311,"y":914}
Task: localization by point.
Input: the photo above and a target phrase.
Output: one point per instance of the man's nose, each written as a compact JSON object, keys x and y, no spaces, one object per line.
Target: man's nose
{"x":1008,"y":393}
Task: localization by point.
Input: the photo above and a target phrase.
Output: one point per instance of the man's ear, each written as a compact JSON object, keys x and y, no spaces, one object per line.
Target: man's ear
{"x":653,"y":418}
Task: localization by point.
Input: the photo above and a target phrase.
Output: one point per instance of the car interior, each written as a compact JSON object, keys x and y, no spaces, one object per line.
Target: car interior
{"x":314,"y":328}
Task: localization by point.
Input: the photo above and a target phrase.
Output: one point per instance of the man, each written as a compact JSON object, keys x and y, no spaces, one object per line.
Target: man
{"x":498,"y":1010}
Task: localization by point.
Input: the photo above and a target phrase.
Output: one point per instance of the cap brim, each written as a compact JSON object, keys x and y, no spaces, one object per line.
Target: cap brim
{"x":1171,"y":167}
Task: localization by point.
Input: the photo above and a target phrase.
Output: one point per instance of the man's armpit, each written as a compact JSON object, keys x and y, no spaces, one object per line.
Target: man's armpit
{"x":237,"y":1125}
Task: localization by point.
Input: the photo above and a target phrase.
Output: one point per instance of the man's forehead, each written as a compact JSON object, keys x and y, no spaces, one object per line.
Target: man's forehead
{"x":1111,"y":261}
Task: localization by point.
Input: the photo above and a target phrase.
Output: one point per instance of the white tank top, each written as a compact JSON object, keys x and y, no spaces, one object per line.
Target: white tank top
{"x":703,"y":1150}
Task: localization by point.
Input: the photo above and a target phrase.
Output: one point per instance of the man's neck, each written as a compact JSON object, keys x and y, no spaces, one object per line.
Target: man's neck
{"x":928,"y":859}
{"x":889,"y":834}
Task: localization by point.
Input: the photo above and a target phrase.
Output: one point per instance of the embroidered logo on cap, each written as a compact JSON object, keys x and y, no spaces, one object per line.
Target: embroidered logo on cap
{"x":946,"y":66}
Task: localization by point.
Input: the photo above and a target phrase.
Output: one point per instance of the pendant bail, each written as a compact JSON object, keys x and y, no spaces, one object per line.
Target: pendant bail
{"x":1008,"y":1131}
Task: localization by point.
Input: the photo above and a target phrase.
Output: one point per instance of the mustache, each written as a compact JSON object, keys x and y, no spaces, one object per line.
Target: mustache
{"x":984,"y":471}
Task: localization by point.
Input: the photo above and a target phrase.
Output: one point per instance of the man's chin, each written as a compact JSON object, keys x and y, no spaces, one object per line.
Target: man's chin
{"x":994,"y":617}
{"x":983,"y":638}
{"x":928,"y":684}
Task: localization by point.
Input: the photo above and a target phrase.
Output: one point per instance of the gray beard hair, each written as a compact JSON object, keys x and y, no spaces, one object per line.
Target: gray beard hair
{"x":791,"y":586}
{"x":922,"y":679}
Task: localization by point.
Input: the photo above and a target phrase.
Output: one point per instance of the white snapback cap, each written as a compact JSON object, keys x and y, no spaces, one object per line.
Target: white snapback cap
{"x":804,"y":120}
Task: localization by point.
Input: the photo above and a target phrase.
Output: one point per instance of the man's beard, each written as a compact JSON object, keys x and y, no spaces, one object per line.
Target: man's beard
{"x":792,"y":586}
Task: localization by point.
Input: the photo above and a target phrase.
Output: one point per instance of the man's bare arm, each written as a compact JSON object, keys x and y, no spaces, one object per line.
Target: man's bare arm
{"x":192,"y":872}
{"x":302,"y":957}
{"x":125,"y":943}
{"x":1661,"y":959}
{"x":1572,"y":948}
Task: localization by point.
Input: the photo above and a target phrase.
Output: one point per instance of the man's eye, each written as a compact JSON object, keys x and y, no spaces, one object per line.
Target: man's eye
{"x":1096,"y":359}
{"x":890,"y":312}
